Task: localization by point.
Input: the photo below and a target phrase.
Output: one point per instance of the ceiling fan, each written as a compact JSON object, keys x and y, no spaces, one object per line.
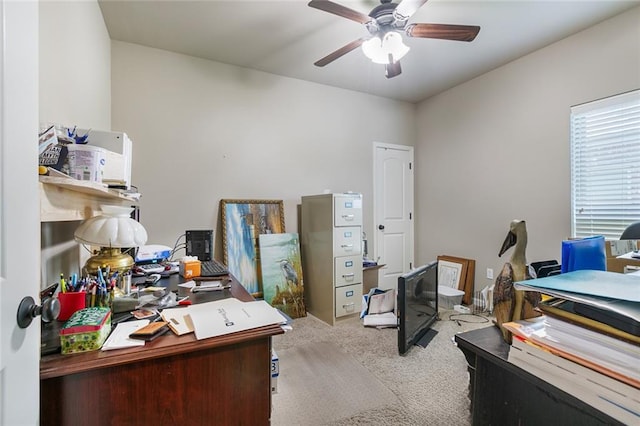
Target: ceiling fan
{"x":385,"y":24}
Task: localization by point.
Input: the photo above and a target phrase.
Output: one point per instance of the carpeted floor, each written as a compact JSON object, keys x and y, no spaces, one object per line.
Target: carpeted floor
{"x":424,"y":387}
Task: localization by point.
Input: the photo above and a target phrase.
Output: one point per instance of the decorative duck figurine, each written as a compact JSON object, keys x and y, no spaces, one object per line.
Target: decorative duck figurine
{"x":510,"y":304}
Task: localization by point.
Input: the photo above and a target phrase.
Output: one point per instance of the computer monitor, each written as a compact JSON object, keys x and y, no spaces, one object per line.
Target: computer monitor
{"x":417,"y":306}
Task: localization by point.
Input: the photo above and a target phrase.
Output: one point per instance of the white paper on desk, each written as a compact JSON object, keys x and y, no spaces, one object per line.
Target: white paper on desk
{"x":178,"y":319}
{"x":119,"y":338}
{"x":230,"y":315}
{"x":188,"y":284}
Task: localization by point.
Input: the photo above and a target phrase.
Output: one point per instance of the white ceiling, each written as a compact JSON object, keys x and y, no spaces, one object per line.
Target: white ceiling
{"x":286,"y":37}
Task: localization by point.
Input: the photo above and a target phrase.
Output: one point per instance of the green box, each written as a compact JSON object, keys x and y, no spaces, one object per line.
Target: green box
{"x":86,"y":330}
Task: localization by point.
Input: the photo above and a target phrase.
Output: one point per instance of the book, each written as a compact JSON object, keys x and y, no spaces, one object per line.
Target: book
{"x":619,"y":400}
{"x":231,"y":315}
{"x":601,"y":284}
{"x":387,"y":319}
{"x":150,"y":331}
{"x":178,"y":320}
{"x":607,"y":355}
{"x":119,"y":337}
{"x":607,"y":322}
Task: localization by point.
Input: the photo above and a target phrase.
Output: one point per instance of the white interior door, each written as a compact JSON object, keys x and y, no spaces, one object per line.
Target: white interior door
{"x":19,"y":211}
{"x":393,"y":210}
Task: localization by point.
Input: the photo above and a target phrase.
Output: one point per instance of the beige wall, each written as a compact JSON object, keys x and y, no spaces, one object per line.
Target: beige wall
{"x":75,"y":89}
{"x":488,"y":151}
{"x":497,"y":148}
{"x":75,"y":65}
{"x":204,"y":131}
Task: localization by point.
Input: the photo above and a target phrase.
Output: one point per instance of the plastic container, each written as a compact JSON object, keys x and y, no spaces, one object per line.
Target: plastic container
{"x":70,"y":303}
{"x":86,"y":162}
{"x":449,"y":297}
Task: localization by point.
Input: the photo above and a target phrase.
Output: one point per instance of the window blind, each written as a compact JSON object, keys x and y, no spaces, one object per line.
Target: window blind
{"x":605,"y":165}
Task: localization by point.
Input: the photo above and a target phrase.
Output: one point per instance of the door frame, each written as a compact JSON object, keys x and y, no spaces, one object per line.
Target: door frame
{"x":19,"y":211}
{"x":376,"y":219}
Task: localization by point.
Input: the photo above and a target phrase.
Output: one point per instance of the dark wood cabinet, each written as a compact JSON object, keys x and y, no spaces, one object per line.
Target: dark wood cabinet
{"x":504,"y":394}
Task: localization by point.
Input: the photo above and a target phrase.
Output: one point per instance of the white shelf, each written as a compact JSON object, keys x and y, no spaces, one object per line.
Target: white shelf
{"x":63,"y":199}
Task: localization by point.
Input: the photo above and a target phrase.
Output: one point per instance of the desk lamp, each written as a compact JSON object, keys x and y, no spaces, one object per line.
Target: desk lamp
{"x":111,"y":231}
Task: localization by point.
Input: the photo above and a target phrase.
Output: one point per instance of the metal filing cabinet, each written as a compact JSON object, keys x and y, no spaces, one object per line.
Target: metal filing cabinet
{"x":331,"y":226}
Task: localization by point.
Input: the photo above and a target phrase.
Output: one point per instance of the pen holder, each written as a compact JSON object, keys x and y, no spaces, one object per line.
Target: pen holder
{"x":70,"y":302}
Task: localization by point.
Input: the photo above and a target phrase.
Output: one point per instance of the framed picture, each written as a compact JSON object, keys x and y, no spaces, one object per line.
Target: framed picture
{"x":449,"y":273}
{"x":281,"y":273}
{"x":243,"y":221}
{"x":459,"y":273}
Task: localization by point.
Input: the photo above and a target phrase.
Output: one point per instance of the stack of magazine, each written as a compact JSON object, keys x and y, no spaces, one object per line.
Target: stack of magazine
{"x":587,"y":343}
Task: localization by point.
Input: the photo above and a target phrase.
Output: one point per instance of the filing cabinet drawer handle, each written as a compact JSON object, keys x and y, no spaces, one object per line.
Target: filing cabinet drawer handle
{"x":347,"y":246}
{"x":348,"y":216}
{"x":348,"y":276}
{"x":348,"y":306}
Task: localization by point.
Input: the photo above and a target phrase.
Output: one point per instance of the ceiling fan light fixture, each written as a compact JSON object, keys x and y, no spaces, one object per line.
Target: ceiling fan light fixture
{"x":387,"y":50}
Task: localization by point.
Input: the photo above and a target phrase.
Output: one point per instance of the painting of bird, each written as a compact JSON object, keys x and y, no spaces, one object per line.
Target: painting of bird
{"x":281,"y":272}
{"x":510,"y":304}
{"x":289,"y":273}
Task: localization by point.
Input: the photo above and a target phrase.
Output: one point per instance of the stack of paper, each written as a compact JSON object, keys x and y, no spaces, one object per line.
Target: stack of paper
{"x":587,"y":343}
{"x":221,"y":317}
{"x":119,"y":338}
{"x":619,"y":399}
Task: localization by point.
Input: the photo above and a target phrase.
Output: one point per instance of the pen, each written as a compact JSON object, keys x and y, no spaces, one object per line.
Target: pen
{"x":63,"y":285}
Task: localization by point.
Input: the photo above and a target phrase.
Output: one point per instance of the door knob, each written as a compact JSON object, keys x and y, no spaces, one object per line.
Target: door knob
{"x":381,"y":227}
{"x":28,"y":310}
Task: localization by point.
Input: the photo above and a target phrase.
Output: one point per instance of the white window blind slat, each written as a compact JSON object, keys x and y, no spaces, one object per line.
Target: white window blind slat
{"x":605,"y":166}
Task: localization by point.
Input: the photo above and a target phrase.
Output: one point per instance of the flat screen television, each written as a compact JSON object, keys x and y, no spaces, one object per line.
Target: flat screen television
{"x":417,"y":306}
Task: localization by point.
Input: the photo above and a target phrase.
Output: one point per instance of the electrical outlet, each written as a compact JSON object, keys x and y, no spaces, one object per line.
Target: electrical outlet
{"x":489,"y":273}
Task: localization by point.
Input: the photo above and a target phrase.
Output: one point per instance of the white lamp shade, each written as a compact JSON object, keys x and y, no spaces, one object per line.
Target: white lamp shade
{"x":378,"y":50}
{"x":113,"y":228}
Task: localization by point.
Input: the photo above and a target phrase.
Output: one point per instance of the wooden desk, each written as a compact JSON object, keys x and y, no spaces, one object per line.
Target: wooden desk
{"x":504,"y":394}
{"x":171,"y":381}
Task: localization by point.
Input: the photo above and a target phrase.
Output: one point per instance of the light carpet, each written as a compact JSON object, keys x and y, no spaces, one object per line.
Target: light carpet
{"x":319,"y":383}
{"x":427,"y":386}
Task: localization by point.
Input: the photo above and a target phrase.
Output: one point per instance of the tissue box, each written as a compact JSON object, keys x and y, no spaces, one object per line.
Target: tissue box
{"x":190,"y":268}
{"x":86,"y":330}
{"x":275,"y":371}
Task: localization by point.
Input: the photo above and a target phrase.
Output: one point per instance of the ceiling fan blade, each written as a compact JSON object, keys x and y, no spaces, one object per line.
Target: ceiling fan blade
{"x":340,"y":52}
{"x":407,"y":8}
{"x":337,"y":9}
{"x":443,"y":31}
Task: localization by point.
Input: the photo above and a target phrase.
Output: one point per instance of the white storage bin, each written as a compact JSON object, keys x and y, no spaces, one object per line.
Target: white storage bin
{"x":448,"y":297}
{"x":86,"y":162}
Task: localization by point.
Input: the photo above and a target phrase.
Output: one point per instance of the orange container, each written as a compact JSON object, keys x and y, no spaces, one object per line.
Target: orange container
{"x":190,"y":269}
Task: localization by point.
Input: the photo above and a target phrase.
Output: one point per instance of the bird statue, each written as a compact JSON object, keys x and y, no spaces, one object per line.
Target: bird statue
{"x":510,"y":304}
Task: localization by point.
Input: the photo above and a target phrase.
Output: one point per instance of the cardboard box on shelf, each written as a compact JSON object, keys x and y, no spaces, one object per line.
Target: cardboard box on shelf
{"x":618,"y":258}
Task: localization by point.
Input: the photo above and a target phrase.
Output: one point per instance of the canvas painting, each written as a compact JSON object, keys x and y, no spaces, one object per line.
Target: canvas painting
{"x":242,"y":222}
{"x":281,"y":268}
